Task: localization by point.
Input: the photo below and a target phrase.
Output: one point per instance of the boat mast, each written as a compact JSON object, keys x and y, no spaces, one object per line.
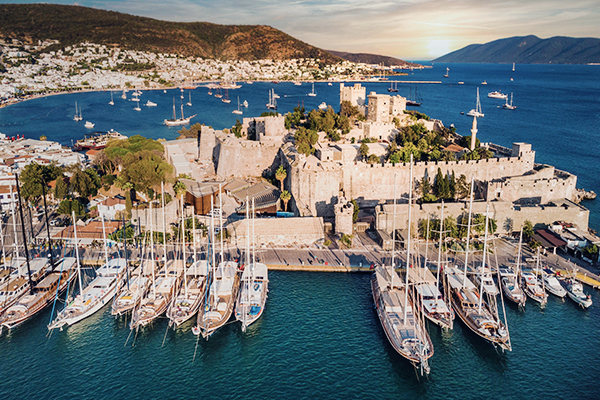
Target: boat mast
{"x":24,"y":237}
{"x":212,"y":240}
{"x":2,"y":237}
{"x":468,"y":232}
{"x":194,"y":238}
{"x":77,"y":253}
{"x":253,"y":240}
{"x":105,"y":238}
{"x":221,"y":219}
{"x":125,"y":247}
{"x":410,"y":183}
{"x":183,"y":248}
{"x":247,"y":233}
{"x":482,"y":271}
{"x":393,"y":272}
{"x":426,"y":242}
{"x":152,"y":256}
{"x":439,"y":262}
{"x":174,"y":115}
{"x":43,"y":184}
{"x":519,"y":251}
{"x":14,"y":219}
{"x":162,"y":199}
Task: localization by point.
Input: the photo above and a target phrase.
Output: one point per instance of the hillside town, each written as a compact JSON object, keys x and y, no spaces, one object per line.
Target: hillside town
{"x":32,"y":69}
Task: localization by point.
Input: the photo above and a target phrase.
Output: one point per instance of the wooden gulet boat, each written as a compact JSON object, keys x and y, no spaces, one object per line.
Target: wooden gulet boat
{"x":468,"y":303}
{"x":401,"y":321}
{"x":254,"y":283}
{"x":192,"y":286}
{"x":43,"y":293}
{"x":509,"y":280}
{"x":221,"y":295}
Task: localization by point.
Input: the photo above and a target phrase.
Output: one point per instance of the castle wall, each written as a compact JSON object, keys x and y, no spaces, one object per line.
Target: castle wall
{"x":363,"y":181}
{"x":243,"y":158}
{"x":509,"y":218}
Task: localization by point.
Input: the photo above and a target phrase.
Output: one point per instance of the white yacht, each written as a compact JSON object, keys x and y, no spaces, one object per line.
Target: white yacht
{"x":312,"y":93}
{"x":94,"y":296}
{"x":575,"y":291}
{"x":552,"y":284}
{"x":533,"y":288}
{"x":89,"y":125}
{"x":323,"y":106}
{"x":476,"y":112}
{"x":509,"y":281}
{"x":150,"y":104}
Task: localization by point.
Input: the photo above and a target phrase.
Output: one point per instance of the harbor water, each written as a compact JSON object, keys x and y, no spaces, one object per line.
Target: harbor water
{"x":319,"y":336}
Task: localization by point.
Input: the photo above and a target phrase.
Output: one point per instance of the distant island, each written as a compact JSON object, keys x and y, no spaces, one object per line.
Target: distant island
{"x":367,"y":58}
{"x":72,"y":25}
{"x":529,"y":50}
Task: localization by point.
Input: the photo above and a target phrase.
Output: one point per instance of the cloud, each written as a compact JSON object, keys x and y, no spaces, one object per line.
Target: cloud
{"x":404,"y":28}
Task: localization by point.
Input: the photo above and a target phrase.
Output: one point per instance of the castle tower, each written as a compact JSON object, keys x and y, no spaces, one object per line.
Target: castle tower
{"x":473,"y":133}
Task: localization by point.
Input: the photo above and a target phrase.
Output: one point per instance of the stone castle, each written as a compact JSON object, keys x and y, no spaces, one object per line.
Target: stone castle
{"x":518,"y":189}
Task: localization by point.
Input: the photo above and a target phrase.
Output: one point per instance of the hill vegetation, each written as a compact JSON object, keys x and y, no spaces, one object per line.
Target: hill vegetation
{"x":371,"y":58}
{"x":529,"y":50}
{"x":72,"y":25}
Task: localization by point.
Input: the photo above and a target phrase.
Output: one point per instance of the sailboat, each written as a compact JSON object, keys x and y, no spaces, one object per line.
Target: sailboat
{"x":532,"y":285}
{"x":189,"y":103}
{"x":312,"y":93}
{"x":476,"y":112}
{"x":393,"y":86}
{"x":427,"y":288}
{"x":218,"y":95}
{"x":272,"y":104}
{"x":137,"y":106}
{"x":416,"y":101}
{"x":447,"y":75}
{"x":509,"y":280}
{"x":239,"y":110}
{"x":77,"y":116}
{"x":255,"y":280}
{"x":192,"y":285}
{"x":221,"y":296}
{"x":178,"y":121}
{"x":402,"y":326}
{"x":245,"y":103}
{"x":112,"y":101}
{"x":41,"y":295}
{"x":509,"y":106}
{"x":477,"y":314}
{"x":513,"y":67}
{"x":226,"y":98}
{"x":162,"y":287}
{"x":131,"y":292}
{"x":124,"y":95}
{"x":97,"y":293}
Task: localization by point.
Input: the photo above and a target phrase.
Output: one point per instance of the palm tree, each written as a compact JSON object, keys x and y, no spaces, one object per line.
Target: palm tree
{"x":285,"y":196}
{"x":180,"y":189}
{"x":281,"y":174}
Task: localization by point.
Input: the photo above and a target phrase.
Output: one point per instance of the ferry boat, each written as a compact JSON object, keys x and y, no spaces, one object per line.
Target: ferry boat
{"x":97,"y":140}
{"x":497,"y":95}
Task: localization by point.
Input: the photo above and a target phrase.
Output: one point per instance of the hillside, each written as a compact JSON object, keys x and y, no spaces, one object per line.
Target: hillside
{"x":529,"y":50}
{"x":73,"y":24}
{"x":370,"y":58}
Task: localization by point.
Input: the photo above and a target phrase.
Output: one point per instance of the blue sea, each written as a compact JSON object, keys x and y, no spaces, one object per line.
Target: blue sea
{"x":319,"y":336}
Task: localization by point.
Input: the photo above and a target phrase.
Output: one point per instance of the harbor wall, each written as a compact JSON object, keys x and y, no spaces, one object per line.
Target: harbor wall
{"x":278,"y":231}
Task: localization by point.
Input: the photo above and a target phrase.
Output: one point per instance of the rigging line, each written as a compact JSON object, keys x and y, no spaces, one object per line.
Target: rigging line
{"x":128,"y":336}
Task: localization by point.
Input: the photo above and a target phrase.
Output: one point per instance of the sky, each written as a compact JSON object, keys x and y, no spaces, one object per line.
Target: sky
{"x":408,"y":29}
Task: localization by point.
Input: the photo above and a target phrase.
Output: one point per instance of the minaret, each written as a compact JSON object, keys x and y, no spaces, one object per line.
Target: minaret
{"x":473,"y":133}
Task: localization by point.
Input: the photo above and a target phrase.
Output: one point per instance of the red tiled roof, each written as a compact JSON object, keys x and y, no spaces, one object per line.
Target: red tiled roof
{"x":111,"y":201}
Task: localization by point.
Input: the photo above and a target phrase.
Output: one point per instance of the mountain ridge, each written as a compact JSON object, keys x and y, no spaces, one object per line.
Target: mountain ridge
{"x":72,"y":25}
{"x":529,"y":50}
{"x":369,"y":58}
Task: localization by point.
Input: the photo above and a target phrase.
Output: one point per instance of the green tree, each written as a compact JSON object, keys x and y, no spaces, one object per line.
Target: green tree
{"x":66,"y":207}
{"x":527,"y":230}
{"x":280,"y":175}
{"x":32,"y":177}
{"x":127,"y":187}
{"x":82,"y":183}
{"x":363,"y":150}
{"x":285,"y":196}
{"x":462,"y":188}
{"x":237,"y":129}
{"x":373,"y":159}
{"x":355,"y":211}
{"x":61,"y":190}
